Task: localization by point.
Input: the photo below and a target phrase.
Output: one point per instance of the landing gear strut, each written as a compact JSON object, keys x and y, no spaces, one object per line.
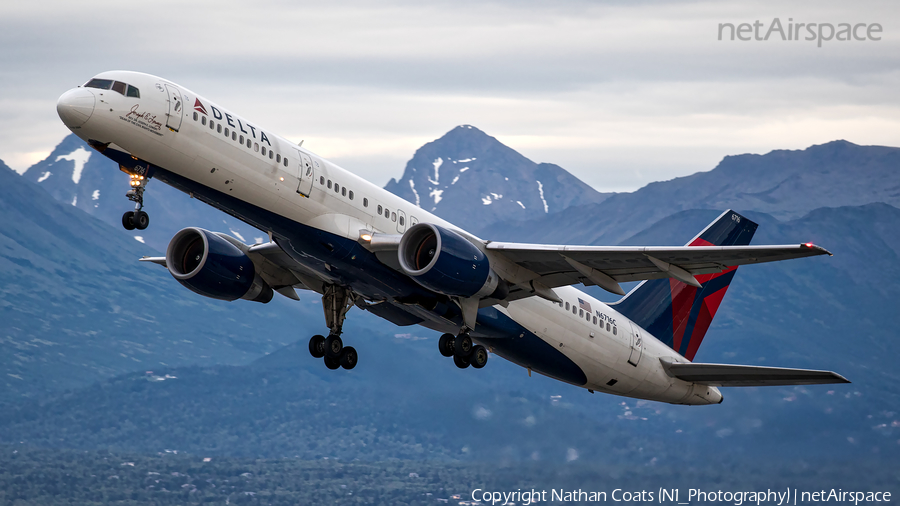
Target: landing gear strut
{"x":463,"y":351}
{"x":136,"y":219}
{"x":336,"y":301}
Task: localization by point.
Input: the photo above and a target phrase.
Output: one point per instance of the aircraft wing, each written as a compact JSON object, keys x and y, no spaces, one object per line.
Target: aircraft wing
{"x":725,"y":375}
{"x":607,"y":266}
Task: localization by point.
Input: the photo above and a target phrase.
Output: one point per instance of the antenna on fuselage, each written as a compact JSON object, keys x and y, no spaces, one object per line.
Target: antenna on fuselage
{"x":301,"y":143}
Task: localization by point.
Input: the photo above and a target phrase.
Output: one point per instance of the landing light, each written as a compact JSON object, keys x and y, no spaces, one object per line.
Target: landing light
{"x":366,"y":237}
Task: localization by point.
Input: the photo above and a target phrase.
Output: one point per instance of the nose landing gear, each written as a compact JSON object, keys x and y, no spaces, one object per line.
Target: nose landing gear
{"x":136,"y":219}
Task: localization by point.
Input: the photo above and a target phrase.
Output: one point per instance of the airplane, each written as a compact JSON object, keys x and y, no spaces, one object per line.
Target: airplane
{"x":356,"y":244}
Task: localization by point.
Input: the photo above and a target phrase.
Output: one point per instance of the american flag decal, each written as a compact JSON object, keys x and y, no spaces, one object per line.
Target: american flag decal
{"x":583,"y":304}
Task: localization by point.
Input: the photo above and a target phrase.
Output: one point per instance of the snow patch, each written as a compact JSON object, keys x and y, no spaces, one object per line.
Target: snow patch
{"x":541,"y":191}
{"x":75,"y":200}
{"x":437,"y":171}
{"x":44,"y":176}
{"x":520,"y":203}
{"x":236,"y":234}
{"x":95,"y":195}
{"x":412,"y":186}
{"x":436,"y":194}
{"x":486,"y":200}
{"x":80,"y":156}
{"x":139,"y":239}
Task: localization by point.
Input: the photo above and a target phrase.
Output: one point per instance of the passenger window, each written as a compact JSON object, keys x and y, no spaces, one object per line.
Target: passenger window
{"x":271,"y":154}
{"x":588,"y":317}
{"x":581,"y":312}
{"x":256,"y":147}
{"x":387,"y":213}
{"x":607,"y":326}
{"x":285,"y":161}
{"x":102,"y":84}
{"x":196,"y":116}
{"x":344,"y":191}
{"x":351,"y":194}
{"x":401,"y":221}
{"x":277,"y":158}
{"x":133,"y":92}
{"x":379,"y":209}
{"x":233,"y":135}
{"x":595,"y":320}
{"x":212,"y":125}
{"x":393,"y":216}
{"x":264,"y":151}
{"x":219,"y":128}
{"x":365,"y":202}
{"x":249,"y":142}
{"x":614,"y":331}
{"x":567,"y":306}
{"x":227,"y":132}
{"x":119,"y":87}
{"x":321,"y":179}
{"x":329,"y":184}
{"x":203,"y":121}
{"x":573,"y":310}
{"x":337,"y":188}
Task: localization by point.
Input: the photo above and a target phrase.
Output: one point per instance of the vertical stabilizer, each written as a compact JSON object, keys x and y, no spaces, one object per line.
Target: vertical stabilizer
{"x":679,"y":314}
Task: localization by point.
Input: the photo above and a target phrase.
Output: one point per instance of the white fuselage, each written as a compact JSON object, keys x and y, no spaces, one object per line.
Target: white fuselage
{"x":615,"y":355}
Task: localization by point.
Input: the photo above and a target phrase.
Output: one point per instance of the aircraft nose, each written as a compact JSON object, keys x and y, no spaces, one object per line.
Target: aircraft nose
{"x":75,"y":107}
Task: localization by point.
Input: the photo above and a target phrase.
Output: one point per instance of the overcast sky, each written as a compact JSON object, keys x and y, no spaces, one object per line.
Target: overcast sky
{"x":618,"y":93}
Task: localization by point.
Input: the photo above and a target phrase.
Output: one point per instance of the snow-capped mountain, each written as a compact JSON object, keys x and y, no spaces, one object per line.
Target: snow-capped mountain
{"x":76,"y":174}
{"x":473,"y":180}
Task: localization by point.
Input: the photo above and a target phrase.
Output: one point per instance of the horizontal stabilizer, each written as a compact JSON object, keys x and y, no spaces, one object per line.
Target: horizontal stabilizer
{"x":726,"y":375}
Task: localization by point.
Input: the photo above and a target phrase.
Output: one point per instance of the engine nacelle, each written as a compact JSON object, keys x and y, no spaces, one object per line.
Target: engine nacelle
{"x":445,"y":262}
{"x":212,"y":266}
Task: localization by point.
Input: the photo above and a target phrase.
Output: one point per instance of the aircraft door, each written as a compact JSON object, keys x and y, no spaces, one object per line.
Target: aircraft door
{"x":307,"y":174}
{"x":176,"y":108}
{"x":401,"y":221}
{"x":637,"y":345}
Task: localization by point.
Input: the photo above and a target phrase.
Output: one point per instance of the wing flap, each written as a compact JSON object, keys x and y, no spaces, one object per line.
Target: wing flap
{"x":727,"y":375}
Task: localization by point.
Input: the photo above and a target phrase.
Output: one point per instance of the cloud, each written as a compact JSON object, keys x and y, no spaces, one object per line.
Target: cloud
{"x":619,"y":93}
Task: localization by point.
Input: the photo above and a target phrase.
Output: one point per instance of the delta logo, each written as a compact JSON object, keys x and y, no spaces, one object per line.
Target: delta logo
{"x":199,"y":106}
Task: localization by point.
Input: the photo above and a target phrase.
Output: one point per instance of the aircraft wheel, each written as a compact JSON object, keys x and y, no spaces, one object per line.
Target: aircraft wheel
{"x":446,"y":344}
{"x":128,"y":220}
{"x":332,"y":363}
{"x":460,"y":362}
{"x":463,"y":345}
{"x":317,"y":346}
{"x":349,"y":357}
{"x":479,"y":357}
{"x":333,"y":346}
{"x":141,"y":220}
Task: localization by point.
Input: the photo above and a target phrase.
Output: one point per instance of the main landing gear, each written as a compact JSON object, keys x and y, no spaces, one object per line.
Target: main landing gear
{"x":463,"y":351}
{"x":336,"y":301}
{"x":136,"y":219}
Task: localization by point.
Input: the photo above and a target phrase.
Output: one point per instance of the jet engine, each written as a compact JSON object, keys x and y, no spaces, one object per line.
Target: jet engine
{"x":445,"y":262}
{"x":208,"y":264}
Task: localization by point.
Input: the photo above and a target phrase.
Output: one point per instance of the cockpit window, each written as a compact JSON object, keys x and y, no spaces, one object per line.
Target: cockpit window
{"x":117,"y":86}
{"x":103,"y":84}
